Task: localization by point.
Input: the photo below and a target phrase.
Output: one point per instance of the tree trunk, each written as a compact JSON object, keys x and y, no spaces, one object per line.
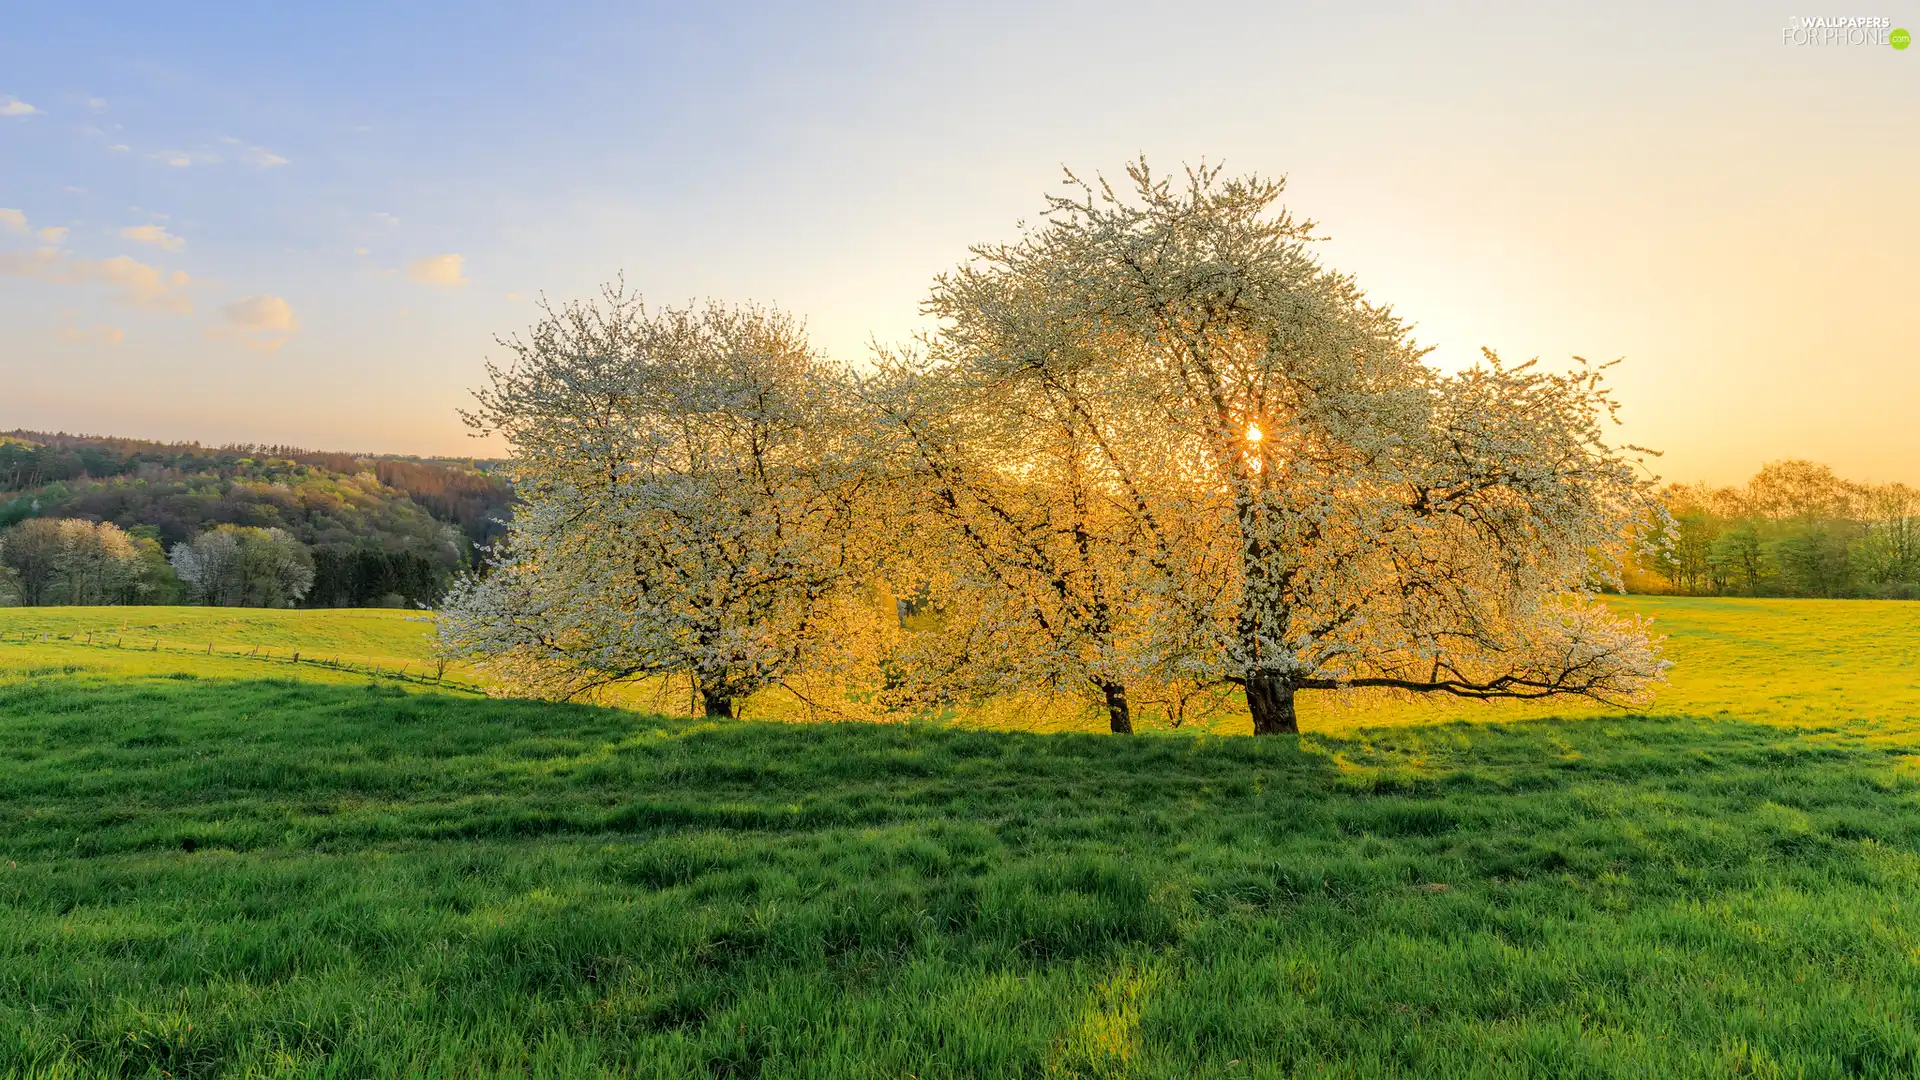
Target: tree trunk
{"x":1270,"y":699}
{"x":719,"y":704}
{"x":1119,"y":716}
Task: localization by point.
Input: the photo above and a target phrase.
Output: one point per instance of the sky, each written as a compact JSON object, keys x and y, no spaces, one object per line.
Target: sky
{"x":308,"y":224}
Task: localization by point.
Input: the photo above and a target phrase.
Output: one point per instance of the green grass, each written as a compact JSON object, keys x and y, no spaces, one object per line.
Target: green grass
{"x":344,"y":645}
{"x":1805,"y":663}
{"x":217,"y":873}
{"x":1797,"y":662}
{"x":361,"y":634}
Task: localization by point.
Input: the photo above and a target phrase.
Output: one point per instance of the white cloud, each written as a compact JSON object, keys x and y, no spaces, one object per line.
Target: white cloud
{"x":16,"y":222}
{"x":386,"y":219}
{"x":75,"y":190}
{"x":515,"y":296}
{"x":132,"y":281}
{"x":13,"y":106}
{"x":263,"y":157}
{"x":181,"y":159}
{"x":121,"y":148}
{"x":153,"y":234}
{"x":258,"y":322}
{"x":139,"y":284}
{"x":437,"y":270}
{"x":98,"y":335}
{"x":97,"y":104}
{"x":262,"y":313}
{"x":362,"y":251}
{"x":39,"y":263}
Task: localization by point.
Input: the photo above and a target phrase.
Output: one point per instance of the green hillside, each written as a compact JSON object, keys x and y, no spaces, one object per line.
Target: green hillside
{"x":376,"y":527}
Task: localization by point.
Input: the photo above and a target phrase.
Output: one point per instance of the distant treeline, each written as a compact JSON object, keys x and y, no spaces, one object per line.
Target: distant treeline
{"x":1795,"y":529}
{"x":370,"y":530}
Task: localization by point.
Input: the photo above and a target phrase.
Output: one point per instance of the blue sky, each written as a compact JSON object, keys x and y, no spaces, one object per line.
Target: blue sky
{"x":261,"y":204}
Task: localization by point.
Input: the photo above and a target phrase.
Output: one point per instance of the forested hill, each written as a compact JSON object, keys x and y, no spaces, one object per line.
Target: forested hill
{"x":433,"y":511}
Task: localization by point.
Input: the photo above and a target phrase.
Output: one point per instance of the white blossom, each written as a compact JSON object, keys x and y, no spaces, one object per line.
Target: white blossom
{"x":1325,"y":509}
{"x":693,"y":504}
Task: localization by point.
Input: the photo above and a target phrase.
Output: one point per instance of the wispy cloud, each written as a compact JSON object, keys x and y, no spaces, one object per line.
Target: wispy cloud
{"x":43,"y":262}
{"x":438,"y":270}
{"x":139,"y":284}
{"x":98,"y":335}
{"x":131,"y":281}
{"x":258,"y":322}
{"x":153,"y":234}
{"x":14,"y":221}
{"x":13,"y":106}
{"x":254,"y":155}
{"x":386,"y":219}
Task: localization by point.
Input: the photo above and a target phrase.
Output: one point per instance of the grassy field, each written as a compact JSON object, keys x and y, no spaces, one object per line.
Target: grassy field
{"x":233,"y":865}
{"x":1804,"y":663}
{"x":391,"y":639}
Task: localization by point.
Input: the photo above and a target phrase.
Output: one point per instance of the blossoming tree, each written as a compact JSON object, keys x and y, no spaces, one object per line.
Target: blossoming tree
{"x":691,"y":506}
{"x":1389,"y":525}
{"x":1007,"y":522}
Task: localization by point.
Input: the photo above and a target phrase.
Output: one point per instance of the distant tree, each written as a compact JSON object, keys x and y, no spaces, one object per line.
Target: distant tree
{"x":1889,"y":551}
{"x":153,"y":579}
{"x":1813,"y":558}
{"x":1686,"y":557}
{"x":1801,"y":491}
{"x":275,"y":569}
{"x":363,"y":577}
{"x":70,"y":561}
{"x":693,"y":504}
{"x":238,"y":566}
{"x":209,"y":566}
{"x":1740,"y":559}
{"x":31,"y":550}
{"x":96,"y":565}
{"x":1794,"y":529}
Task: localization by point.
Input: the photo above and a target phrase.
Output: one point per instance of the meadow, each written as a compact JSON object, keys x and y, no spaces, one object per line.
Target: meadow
{"x":215,"y":861}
